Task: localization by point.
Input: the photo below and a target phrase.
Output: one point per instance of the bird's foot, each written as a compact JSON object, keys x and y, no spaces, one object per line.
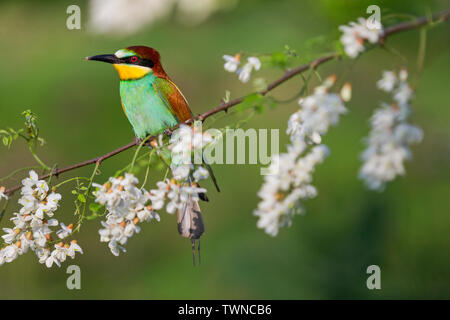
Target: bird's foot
{"x":137,"y":141}
{"x":168,"y":132}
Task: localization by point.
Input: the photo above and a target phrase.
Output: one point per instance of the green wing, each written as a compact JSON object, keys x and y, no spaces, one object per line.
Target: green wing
{"x":172,"y":98}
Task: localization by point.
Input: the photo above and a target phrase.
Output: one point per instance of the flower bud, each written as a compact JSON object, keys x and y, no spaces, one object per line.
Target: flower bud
{"x":330,"y":81}
{"x":346,"y":92}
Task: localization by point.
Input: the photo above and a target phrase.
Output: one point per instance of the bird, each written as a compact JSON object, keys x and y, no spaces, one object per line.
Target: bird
{"x":153,"y":103}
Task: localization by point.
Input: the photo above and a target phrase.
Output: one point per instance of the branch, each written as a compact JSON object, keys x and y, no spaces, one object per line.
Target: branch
{"x":404,"y":26}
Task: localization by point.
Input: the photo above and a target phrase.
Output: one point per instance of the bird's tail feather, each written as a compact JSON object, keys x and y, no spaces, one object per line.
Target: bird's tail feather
{"x":191,"y":224}
{"x":211,"y":173}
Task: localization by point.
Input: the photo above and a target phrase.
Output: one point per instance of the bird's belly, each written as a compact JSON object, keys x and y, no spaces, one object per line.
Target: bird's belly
{"x":144,"y":108}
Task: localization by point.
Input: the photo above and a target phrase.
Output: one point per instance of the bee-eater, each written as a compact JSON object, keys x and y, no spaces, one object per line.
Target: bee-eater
{"x":153,"y":103}
{"x":150,"y":100}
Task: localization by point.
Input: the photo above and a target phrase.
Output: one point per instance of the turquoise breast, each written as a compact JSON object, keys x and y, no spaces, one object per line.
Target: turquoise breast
{"x":144,"y":108}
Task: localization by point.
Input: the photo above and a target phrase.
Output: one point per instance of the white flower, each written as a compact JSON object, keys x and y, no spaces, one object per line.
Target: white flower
{"x":73,"y":248}
{"x":254,"y":62}
{"x":388,"y":81}
{"x":40,"y":238}
{"x":65,"y":231}
{"x":403,"y":93}
{"x":21,"y":221}
{"x":59,"y":253}
{"x":49,"y":206}
{"x":200,"y":174}
{"x":355,"y":34}
{"x":130,"y":229}
{"x":29,"y":204}
{"x":115,"y":248}
{"x":30,"y":181}
{"x":42,"y":254}
{"x":231,"y":62}
{"x":245,"y":72}
{"x":157,"y":196}
{"x":33,"y":186}
{"x":50,"y":260}
{"x":10,"y":235}
{"x":145,"y":213}
{"x":11,"y":252}
{"x":180,"y":172}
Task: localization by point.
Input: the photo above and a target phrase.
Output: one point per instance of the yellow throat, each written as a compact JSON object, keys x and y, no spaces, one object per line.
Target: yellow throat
{"x":129,"y":72}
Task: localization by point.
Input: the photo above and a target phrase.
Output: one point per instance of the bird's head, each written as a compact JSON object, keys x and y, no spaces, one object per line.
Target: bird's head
{"x":133,"y":62}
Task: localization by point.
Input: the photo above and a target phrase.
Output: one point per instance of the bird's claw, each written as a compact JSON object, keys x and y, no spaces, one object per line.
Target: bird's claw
{"x":137,"y":141}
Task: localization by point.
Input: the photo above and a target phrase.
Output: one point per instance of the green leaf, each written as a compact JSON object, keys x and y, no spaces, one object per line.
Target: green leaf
{"x":82,"y":198}
{"x":279,"y":59}
{"x":95,"y":207}
{"x":251,"y":101}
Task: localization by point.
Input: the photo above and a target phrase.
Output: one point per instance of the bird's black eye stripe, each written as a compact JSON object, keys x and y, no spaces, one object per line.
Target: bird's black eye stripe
{"x":147,"y":63}
{"x":138,"y":61}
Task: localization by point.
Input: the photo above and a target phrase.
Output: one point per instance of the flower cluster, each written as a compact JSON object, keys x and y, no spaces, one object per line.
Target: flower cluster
{"x":318,"y":112}
{"x":356,"y":33}
{"x":290,"y":174}
{"x":32,"y":229}
{"x":288,"y":182}
{"x":127,"y":206}
{"x":388,"y":144}
{"x":176,"y":194}
{"x":232,"y":65}
{"x":186,"y":146}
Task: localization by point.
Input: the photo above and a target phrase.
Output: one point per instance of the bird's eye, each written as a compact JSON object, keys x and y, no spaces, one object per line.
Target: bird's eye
{"x":134,"y":59}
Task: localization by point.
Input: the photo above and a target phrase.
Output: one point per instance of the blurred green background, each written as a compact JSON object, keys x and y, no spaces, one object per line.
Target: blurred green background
{"x":324,"y":255}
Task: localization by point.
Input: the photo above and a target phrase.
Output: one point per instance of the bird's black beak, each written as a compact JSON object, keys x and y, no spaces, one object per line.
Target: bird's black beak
{"x":109,"y":58}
